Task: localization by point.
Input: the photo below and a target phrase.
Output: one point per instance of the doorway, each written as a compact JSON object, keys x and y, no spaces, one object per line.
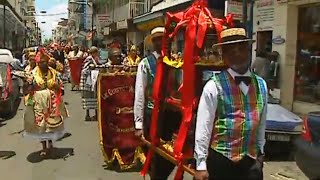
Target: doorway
{"x":264,"y":41}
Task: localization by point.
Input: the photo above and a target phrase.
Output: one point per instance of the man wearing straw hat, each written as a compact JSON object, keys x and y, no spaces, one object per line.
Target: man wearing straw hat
{"x":143,"y":105}
{"x":231,"y":119}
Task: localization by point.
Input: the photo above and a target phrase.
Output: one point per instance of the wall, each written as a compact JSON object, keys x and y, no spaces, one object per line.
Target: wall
{"x":284,"y":24}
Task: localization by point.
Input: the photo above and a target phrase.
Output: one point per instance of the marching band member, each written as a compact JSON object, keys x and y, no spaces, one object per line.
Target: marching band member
{"x":143,"y":104}
{"x":31,"y":62}
{"x":45,"y":110}
{"x":232,"y":114}
{"x":73,"y":55}
{"x":89,"y":100}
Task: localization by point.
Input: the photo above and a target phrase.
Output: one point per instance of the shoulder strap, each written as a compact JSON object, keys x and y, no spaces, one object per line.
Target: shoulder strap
{"x":260,"y":87}
{"x":152,"y":61}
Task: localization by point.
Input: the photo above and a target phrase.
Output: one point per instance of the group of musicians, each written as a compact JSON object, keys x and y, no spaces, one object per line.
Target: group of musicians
{"x":231,"y":117}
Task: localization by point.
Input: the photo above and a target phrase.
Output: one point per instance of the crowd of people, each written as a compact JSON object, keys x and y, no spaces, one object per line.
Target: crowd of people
{"x":235,"y":149}
{"x":46,"y":71}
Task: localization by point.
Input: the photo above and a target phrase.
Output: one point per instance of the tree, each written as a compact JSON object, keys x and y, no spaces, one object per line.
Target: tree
{"x":47,"y":42}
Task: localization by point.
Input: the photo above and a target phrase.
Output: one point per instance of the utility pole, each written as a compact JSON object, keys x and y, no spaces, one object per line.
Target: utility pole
{"x":92,"y":22}
{"x":245,"y":14}
{"x":4,"y":26}
{"x":37,"y":32}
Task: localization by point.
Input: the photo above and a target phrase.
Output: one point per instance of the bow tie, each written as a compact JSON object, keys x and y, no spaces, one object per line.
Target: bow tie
{"x":244,"y":79}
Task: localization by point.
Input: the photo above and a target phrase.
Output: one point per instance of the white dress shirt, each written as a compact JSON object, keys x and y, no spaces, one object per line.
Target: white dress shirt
{"x":140,"y":89}
{"x":206,"y":116}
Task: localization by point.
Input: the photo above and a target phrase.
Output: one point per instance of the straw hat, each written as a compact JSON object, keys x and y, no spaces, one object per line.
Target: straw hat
{"x":233,"y":35}
{"x":156,"y":32}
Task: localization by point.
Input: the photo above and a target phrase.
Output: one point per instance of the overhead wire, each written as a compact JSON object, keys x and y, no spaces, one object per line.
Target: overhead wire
{"x":55,"y":14}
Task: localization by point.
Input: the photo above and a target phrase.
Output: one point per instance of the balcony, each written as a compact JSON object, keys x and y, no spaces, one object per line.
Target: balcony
{"x":127,"y":11}
{"x":31,"y":9}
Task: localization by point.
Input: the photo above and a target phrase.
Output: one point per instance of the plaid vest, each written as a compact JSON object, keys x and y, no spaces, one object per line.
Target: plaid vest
{"x":150,"y":63}
{"x":237,"y":117}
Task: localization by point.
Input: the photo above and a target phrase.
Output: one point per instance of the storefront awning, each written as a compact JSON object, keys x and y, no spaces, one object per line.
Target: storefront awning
{"x":150,"y":24}
{"x":147,"y":17}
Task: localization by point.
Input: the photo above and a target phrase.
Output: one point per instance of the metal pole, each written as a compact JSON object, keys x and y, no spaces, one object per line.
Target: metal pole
{"x":250,"y":29}
{"x":37,"y":32}
{"x":245,"y":14}
{"x":4,"y":26}
{"x":92,"y":23}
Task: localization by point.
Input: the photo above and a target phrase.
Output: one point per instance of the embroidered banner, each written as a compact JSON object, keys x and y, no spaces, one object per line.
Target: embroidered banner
{"x":116,"y":123}
{"x":75,"y":69}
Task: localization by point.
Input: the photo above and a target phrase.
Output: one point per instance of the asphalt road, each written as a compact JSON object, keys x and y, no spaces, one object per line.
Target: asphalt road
{"x":86,"y":161}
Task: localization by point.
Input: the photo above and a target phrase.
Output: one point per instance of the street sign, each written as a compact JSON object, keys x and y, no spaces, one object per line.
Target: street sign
{"x":103,"y":18}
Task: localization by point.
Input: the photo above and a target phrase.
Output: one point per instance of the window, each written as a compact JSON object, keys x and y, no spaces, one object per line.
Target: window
{"x":307,"y":82}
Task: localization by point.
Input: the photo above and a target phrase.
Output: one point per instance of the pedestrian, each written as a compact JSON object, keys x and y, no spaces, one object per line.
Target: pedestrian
{"x":45,"y":110}
{"x":261,"y":65}
{"x":231,"y":118}
{"x":160,"y":168}
{"x":89,"y":100}
{"x":31,"y":62}
{"x":75,"y":54}
{"x":115,"y":57}
{"x":132,"y":59}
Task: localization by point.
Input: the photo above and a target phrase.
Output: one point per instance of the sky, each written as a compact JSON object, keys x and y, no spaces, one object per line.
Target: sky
{"x":51,"y":7}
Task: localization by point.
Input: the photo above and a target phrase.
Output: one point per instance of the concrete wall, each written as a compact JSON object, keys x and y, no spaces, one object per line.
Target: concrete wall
{"x":285,"y":24}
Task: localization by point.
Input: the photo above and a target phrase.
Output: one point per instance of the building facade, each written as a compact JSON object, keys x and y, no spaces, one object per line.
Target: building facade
{"x":33,"y":31}
{"x":12,"y":28}
{"x":292,"y":28}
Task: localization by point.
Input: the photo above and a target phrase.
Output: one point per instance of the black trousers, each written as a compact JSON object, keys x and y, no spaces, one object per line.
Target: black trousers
{"x":160,"y":168}
{"x":221,"y":168}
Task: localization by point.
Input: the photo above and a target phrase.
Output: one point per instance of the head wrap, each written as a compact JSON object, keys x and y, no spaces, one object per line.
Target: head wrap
{"x":42,"y":56}
{"x":52,"y":60}
{"x":31,"y":54}
{"x":133,"y":48}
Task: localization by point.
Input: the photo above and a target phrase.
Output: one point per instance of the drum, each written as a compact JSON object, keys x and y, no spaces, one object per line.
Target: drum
{"x":120,"y":147}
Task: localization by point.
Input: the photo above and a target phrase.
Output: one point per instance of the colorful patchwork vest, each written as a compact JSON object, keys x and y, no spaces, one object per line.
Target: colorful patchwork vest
{"x":237,"y":117}
{"x":150,"y":64}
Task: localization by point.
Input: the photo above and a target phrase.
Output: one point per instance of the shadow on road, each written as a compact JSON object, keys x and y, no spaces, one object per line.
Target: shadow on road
{"x":66,"y":135}
{"x":279,"y":151}
{"x":115,"y":167}
{"x":7,"y":154}
{"x":55,"y":154}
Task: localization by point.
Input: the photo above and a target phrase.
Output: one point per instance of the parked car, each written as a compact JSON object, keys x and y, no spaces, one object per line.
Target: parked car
{"x":9,"y":85}
{"x":308,"y":147}
{"x":282,"y":128}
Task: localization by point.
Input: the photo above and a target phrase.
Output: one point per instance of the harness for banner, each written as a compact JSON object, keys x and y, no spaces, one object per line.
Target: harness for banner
{"x":197,"y":21}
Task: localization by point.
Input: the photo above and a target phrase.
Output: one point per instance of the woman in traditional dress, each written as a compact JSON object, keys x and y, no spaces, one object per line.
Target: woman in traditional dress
{"x":89,"y":100}
{"x":132,"y":59}
{"x":31,"y":62}
{"x":45,"y":110}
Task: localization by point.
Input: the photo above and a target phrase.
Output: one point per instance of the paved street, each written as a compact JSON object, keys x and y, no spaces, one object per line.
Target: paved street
{"x":87,"y":161}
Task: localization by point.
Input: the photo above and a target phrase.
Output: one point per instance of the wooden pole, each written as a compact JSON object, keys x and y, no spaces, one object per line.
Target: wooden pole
{"x":170,"y":158}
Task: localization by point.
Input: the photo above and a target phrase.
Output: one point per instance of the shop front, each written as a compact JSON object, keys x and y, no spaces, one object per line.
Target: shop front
{"x":292,"y":28}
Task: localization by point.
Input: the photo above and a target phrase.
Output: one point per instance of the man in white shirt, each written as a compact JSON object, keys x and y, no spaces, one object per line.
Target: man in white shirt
{"x":160,"y":168}
{"x":231,"y":118}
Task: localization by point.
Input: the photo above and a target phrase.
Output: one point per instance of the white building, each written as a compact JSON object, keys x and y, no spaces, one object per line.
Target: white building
{"x":292,"y":28}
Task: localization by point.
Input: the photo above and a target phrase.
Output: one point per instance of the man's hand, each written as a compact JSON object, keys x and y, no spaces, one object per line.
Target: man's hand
{"x":201,"y":175}
{"x":138,"y":133}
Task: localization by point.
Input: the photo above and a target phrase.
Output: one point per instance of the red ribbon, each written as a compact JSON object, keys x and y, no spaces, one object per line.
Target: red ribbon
{"x":195,"y":20}
{"x":9,"y":76}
